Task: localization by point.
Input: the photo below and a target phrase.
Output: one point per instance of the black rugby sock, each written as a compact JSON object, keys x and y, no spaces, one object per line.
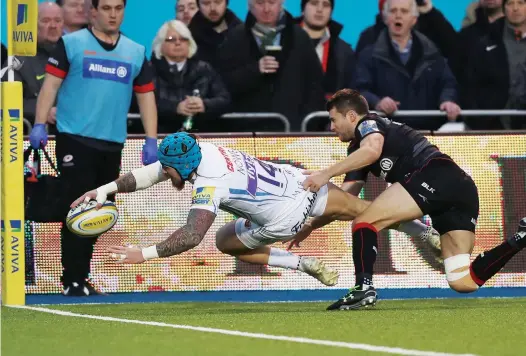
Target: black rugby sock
{"x":488,"y":263}
{"x":364,"y":250}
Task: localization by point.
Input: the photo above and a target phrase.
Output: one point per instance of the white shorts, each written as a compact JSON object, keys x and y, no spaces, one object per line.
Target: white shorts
{"x":309,"y":204}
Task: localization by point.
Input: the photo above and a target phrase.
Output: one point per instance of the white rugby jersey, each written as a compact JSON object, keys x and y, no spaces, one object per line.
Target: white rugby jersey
{"x":238,"y":183}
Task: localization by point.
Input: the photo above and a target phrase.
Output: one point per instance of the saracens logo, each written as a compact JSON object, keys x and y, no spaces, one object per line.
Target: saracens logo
{"x":386,"y":164}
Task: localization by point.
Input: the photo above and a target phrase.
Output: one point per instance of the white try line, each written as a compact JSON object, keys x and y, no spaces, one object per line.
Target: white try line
{"x":301,"y":340}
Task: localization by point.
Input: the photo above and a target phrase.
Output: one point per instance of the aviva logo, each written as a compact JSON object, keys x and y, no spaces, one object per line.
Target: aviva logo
{"x":21,"y":17}
{"x":14,"y":114}
{"x":16,"y":225}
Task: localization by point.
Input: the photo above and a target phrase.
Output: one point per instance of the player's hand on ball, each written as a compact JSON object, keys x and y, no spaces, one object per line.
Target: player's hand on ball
{"x":100,"y":197}
{"x":315,"y":181}
{"x":123,"y":254}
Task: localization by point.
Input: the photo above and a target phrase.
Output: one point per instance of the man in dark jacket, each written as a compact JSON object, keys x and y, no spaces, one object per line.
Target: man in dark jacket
{"x":210,"y":26}
{"x":497,"y":69}
{"x":32,"y":73}
{"x":486,"y":13}
{"x":431,"y":22}
{"x":336,"y":56}
{"x":269,"y":65}
{"x":404,"y":70}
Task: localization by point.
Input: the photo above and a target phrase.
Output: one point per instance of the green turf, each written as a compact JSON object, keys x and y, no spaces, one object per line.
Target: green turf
{"x":477,"y":326}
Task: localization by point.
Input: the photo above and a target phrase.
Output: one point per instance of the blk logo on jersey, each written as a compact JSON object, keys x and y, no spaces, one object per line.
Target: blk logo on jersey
{"x":106,"y":69}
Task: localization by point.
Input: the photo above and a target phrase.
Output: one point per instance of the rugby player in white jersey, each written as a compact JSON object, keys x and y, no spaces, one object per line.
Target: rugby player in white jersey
{"x":269,"y":198}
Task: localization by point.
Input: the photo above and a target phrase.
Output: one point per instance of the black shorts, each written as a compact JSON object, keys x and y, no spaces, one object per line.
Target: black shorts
{"x":446,"y":193}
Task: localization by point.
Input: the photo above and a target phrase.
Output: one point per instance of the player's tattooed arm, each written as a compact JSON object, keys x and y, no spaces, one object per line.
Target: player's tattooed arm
{"x":126,"y":183}
{"x":188,"y":236}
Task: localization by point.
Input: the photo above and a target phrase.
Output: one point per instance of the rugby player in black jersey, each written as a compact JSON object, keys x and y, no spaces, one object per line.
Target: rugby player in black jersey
{"x":424,"y":181}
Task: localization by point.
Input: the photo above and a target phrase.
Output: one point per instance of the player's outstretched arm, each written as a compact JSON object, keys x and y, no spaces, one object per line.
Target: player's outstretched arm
{"x":184,"y":239}
{"x":188,"y":236}
{"x":369,"y":152}
{"x":137,"y":179}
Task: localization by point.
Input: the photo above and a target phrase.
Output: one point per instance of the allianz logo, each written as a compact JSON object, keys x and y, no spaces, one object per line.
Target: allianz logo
{"x":121,"y":72}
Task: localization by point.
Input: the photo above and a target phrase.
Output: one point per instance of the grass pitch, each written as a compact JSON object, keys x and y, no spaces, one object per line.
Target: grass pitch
{"x":411,"y":327}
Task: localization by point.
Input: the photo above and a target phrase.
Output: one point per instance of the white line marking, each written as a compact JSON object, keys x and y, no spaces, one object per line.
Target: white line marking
{"x":301,"y":340}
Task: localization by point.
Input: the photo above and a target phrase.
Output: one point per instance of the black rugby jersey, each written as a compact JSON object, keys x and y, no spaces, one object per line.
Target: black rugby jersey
{"x":405,"y":150}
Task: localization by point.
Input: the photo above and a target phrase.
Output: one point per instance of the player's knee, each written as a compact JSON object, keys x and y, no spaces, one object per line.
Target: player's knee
{"x":457,"y":273}
{"x":466,"y":285}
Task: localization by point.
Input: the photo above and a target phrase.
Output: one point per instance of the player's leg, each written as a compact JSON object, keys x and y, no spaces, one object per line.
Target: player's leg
{"x":456,"y":248}
{"x":344,"y":206}
{"x":393,"y":205}
{"x":108,"y":169}
{"x":488,"y":263}
{"x":236,"y":239}
{"x":78,"y":175}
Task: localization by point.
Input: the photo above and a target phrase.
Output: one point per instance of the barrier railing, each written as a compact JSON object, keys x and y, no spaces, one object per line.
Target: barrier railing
{"x":325,"y":114}
{"x":246,"y":115}
{"x":416,"y":113}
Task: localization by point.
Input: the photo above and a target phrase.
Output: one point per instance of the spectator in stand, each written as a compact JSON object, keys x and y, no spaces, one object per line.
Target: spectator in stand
{"x":336,"y":56}
{"x":497,"y":69}
{"x":470,"y":17}
{"x":270,"y":65}
{"x":177,"y":73}
{"x":486,"y":12}
{"x":32,"y":73}
{"x":482,"y":12}
{"x":403,"y":70}
{"x":431,"y":22}
{"x":75,"y":15}
{"x":210,"y":26}
{"x":185,"y":10}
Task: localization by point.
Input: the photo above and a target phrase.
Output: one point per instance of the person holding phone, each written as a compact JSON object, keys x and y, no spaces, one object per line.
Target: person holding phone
{"x":269,"y":65}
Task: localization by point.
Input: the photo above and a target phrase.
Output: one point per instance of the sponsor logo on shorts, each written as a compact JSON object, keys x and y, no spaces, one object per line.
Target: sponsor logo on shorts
{"x":427,"y":187}
{"x":203,"y":196}
{"x":474,"y":221}
{"x":306,"y":213}
{"x":106,"y":69}
{"x":367,"y":127}
{"x":424,"y":199}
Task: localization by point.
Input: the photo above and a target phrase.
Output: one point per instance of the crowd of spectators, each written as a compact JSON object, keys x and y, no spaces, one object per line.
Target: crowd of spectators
{"x":208,"y":62}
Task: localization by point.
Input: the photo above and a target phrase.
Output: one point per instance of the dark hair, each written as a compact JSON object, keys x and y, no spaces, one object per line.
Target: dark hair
{"x":347,"y":99}
{"x":95,"y":3}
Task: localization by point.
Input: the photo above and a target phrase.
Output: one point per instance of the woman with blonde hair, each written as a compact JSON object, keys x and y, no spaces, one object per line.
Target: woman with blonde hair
{"x":185,"y":86}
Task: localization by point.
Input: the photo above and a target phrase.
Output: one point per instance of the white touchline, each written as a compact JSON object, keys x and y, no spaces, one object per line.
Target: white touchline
{"x":302,"y":340}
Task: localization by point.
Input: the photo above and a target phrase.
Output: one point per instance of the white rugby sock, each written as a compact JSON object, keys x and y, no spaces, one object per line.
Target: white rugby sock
{"x":282,"y":258}
{"x":412,"y":228}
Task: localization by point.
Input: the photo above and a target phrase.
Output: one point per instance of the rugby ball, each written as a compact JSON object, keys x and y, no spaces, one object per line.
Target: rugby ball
{"x":84,"y":220}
